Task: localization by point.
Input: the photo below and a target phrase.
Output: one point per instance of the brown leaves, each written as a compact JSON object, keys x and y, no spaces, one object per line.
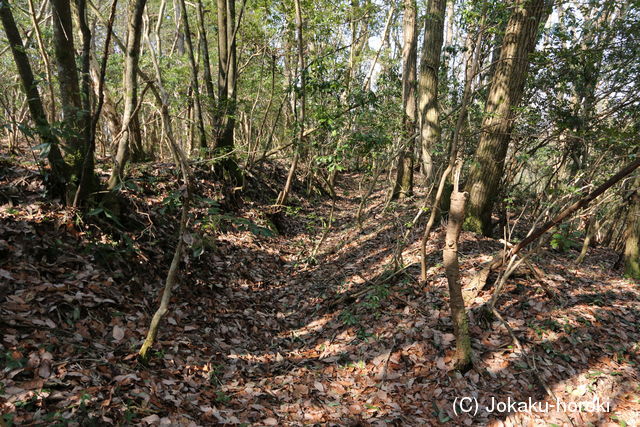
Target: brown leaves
{"x":118,"y":333}
{"x":249,"y":338}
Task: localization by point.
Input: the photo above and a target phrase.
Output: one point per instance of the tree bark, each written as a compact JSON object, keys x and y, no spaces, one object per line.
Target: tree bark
{"x":225,"y":111}
{"x":87,"y":182}
{"x":282,"y":197}
{"x":506,"y":90}
{"x":134,"y":29}
{"x":452,"y":271}
{"x":202,"y":137}
{"x":109,"y":111}
{"x":403,"y":186}
{"x":208,"y":78}
{"x":632,"y":237}
{"x":74,"y":120}
{"x":428,"y":83}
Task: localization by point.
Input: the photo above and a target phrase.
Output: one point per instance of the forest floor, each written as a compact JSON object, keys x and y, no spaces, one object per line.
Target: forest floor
{"x":260,"y":332}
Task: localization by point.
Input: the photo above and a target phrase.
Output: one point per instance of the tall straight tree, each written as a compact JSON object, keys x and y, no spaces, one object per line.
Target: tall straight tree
{"x":404,"y":176}
{"x":227,"y":75}
{"x":195,"y":84}
{"x":134,"y":31}
{"x":87,"y":182}
{"x":206,"y":62}
{"x":428,"y":83}
{"x":302,"y":98}
{"x":504,"y":95}
{"x":75,"y":121}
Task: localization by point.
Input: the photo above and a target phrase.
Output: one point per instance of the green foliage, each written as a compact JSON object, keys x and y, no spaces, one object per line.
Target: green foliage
{"x":348,"y":318}
{"x":10,"y":362}
{"x":102,"y":210}
{"x":215,"y":219}
{"x":564,"y":239}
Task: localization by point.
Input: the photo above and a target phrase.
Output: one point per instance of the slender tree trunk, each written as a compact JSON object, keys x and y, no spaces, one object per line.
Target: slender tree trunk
{"x":134,"y":29}
{"x":282,"y":197}
{"x":589,"y":232}
{"x":109,"y":111}
{"x":178,"y":43}
{"x":163,"y":5}
{"x":181,"y":159}
{"x":206,"y":62}
{"x":197,"y":105}
{"x":225,"y":111}
{"x":449,"y":36}
{"x":504,"y":95}
{"x":88,"y":182}
{"x":74,"y":120}
{"x":452,"y":271}
{"x":45,"y":59}
{"x":385,"y":36}
{"x":403,"y":186}
{"x":428,"y":83}
{"x":471,"y":73}
{"x":59,"y":171}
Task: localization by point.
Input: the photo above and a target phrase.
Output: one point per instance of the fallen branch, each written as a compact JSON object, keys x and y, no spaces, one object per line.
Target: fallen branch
{"x":498,"y":261}
{"x":362,"y":292}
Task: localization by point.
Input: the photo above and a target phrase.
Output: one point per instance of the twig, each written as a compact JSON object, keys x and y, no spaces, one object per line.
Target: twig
{"x":354,"y":295}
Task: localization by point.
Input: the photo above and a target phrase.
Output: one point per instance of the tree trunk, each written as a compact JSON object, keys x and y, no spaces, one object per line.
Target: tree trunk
{"x":282,"y":197}
{"x":208,"y":79}
{"x":74,"y":120}
{"x":59,"y":171}
{"x":45,"y":59}
{"x":504,"y":95}
{"x":88,"y":182}
{"x":632,"y":238}
{"x":403,"y":186}
{"x":109,"y":111}
{"x":452,"y":271}
{"x":589,"y":232}
{"x":134,"y":30}
{"x":202,"y":137}
{"x":181,"y":159}
{"x":225,"y":111}
{"x":428,"y":83}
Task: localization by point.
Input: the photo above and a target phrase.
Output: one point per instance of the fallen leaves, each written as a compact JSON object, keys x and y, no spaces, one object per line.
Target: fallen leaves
{"x":118,"y":333}
{"x":249,"y":338}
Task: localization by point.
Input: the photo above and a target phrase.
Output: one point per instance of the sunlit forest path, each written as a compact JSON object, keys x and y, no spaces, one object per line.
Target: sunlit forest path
{"x":264,"y":331}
